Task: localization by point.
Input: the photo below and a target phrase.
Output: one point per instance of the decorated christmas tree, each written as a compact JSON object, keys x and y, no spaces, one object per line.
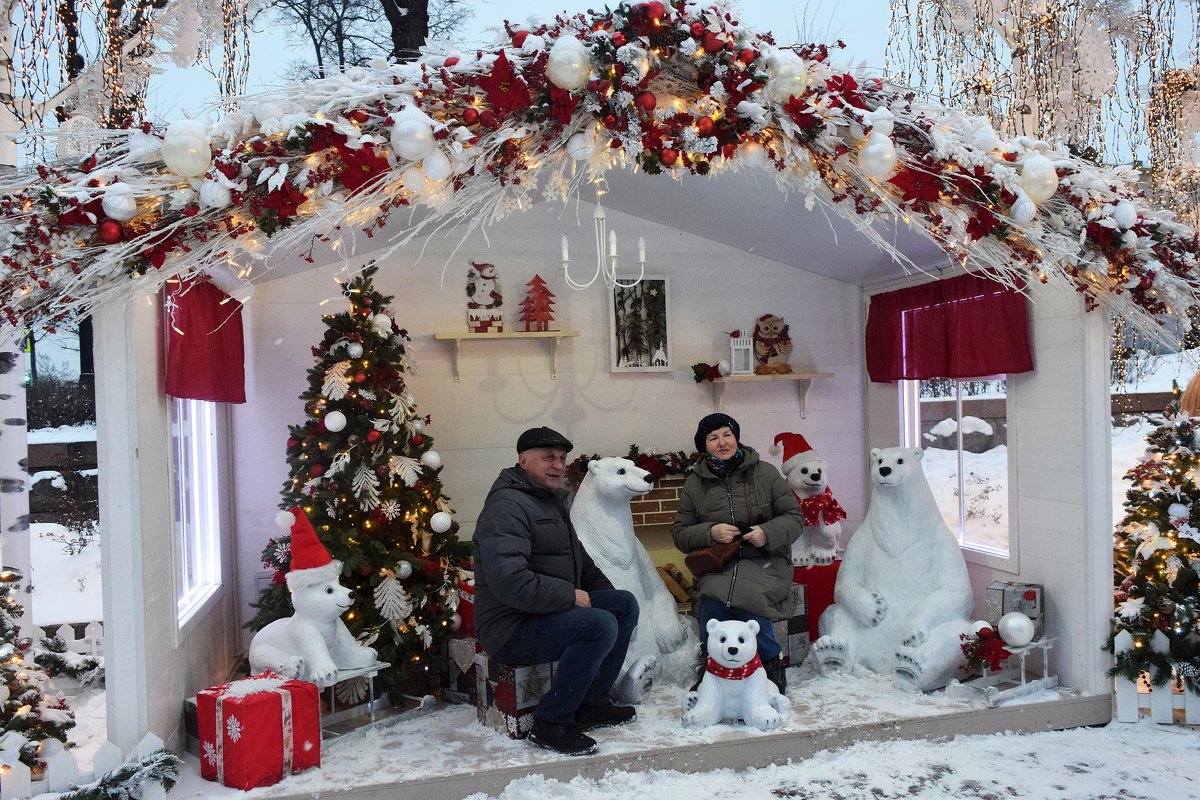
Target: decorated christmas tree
{"x":363,"y":469}
{"x":1157,"y":554}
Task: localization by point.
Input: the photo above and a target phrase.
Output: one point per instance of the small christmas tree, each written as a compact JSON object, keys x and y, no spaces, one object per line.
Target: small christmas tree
{"x":1157,"y":554}
{"x":362,"y":468}
{"x":537,"y":309}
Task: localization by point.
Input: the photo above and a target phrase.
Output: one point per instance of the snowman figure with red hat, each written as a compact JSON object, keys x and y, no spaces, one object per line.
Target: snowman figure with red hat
{"x":807,"y":472}
{"x":314,"y":643}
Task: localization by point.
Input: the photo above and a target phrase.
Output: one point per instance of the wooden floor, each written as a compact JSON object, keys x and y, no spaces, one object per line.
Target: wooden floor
{"x":757,"y":751}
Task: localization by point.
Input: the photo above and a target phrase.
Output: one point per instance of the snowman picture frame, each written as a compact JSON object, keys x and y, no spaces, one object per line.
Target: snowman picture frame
{"x":639,"y":326}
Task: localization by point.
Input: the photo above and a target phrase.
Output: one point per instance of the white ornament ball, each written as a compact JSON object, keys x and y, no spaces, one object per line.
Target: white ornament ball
{"x":1178,"y":511}
{"x":882,"y":120}
{"x":119,"y":202}
{"x":582,"y":146}
{"x":335,"y":421}
{"x":215,"y":195}
{"x":1015,"y":629}
{"x":382,"y":323}
{"x":1039,"y":179}
{"x":354,"y":349}
{"x":436,"y":166}
{"x":403,"y":570}
{"x":455,"y":621}
{"x":877,"y":158}
{"x":185,"y":148}
{"x":723,"y":367}
{"x":1125,"y":215}
{"x":440,"y":522}
{"x":269,"y":110}
{"x":568,"y":64}
{"x":791,"y":79}
{"x":1024,"y":210}
{"x":431,"y":459}
{"x":412,"y":134}
{"x":979,"y":625}
{"x":417,"y":425}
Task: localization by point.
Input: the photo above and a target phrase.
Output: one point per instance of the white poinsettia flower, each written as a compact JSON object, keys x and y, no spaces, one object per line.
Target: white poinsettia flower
{"x":1152,"y":545}
{"x":1131,"y":608}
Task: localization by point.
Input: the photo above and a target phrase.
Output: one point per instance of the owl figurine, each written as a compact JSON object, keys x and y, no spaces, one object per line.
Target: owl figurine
{"x":772,"y":345}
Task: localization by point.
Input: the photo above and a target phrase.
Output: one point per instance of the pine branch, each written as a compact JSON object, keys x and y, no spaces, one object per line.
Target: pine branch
{"x":125,"y":782}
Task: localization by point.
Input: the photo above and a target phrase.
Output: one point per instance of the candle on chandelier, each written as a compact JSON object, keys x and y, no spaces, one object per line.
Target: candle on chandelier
{"x":612,"y":243}
{"x":564,"y":249}
{"x":641,"y":250}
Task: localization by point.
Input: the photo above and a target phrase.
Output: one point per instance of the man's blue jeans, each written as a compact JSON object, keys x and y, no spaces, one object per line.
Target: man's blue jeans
{"x":589,"y":645}
{"x":711,"y":608}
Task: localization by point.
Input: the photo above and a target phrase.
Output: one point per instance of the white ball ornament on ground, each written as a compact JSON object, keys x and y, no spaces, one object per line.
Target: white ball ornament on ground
{"x":1039,"y":178}
{"x":1015,"y":629}
{"x":185,"y":148}
{"x":431,"y":459}
{"x":568,"y":64}
{"x":335,"y":421}
{"x":440,"y":522}
{"x":119,"y":202}
{"x":354,"y":349}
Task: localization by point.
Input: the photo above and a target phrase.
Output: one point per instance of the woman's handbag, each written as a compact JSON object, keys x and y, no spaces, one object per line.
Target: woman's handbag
{"x":712,"y":558}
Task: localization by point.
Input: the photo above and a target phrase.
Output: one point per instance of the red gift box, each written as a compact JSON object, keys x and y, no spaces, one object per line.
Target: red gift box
{"x":253,"y":732}
{"x":466,"y":608}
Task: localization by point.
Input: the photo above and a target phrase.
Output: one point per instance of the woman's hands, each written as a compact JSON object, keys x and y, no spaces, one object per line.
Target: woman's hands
{"x":757,"y":537}
{"x":723,"y":532}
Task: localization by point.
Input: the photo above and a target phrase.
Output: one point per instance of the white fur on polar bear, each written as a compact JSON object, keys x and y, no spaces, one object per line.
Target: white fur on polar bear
{"x":663,"y":645}
{"x":313,"y":643}
{"x":817,"y":544}
{"x":754,"y":698}
{"x":902,"y":596}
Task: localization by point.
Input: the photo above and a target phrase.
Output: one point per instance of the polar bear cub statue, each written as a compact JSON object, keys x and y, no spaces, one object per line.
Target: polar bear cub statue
{"x":663,"y":644}
{"x":902,"y":596}
{"x":735,"y":685}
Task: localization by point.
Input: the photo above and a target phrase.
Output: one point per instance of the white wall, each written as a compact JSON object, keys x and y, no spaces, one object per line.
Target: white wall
{"x":506,"y":385}
{"x":1059,"y":435}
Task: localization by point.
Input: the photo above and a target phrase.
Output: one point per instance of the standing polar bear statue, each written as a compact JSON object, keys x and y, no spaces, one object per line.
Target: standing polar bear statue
{"x":902,"y":596}
{"x":663,"y":645}
{"x":313,"y":643}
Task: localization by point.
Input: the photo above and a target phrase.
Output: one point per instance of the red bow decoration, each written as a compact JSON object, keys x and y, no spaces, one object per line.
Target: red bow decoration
{"x":821,"y":507}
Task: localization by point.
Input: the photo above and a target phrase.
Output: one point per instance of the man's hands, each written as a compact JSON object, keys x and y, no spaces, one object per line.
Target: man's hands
{"x":582,"y":599}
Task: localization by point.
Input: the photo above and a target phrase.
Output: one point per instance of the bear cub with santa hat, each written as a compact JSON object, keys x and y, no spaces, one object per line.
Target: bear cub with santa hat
{"x":807,"y":472}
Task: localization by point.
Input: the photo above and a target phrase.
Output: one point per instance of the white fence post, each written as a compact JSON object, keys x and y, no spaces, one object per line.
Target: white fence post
{"x":16,"y":781}
{"x":61,"y":771}
{"x":1126,"y":690}
{"x":106,"y":759}
{"x":1160,"y":696}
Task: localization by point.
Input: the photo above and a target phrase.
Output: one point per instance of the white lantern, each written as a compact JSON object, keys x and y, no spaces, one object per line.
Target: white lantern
{"x":568,"y":64}
{"x":790,"y":79}
{"x":119,"y":202}
{"x":877,"y":158}
{"x":382,"y":323}
{"x":1039,"y":179}
{"x":741,"y":355}
{"x":185,"y":148}
{"x":412,"y":134}
{"x":582,"y":146}
{"x":354,"y":349}
{"x":335,"y":421}
{"x":431,"y":459}
{"x":1015,"y":629}
{"x":440,"y":522}
{"x":436,"y":166}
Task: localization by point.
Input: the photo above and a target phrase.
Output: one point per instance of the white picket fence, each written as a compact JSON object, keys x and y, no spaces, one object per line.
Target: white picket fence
{"x":62,"y":772}
{"x":90,"y":644}
{"x":1163,"y":702}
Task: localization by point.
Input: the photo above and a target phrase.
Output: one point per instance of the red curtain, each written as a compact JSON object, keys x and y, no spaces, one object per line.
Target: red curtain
{"x":205,"y":353}
{"x":961,"y":327}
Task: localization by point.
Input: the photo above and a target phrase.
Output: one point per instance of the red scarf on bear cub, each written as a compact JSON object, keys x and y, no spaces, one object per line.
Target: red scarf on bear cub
{"x":734,"y":673}
{"x":821,"y":507}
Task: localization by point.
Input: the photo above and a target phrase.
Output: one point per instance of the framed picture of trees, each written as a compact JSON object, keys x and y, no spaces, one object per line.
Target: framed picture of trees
{"x":638,"y":321}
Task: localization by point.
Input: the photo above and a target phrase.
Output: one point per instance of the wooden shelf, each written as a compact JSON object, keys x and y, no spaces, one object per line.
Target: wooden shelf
{"x":803,"y":382}
{"x":552,"y":336}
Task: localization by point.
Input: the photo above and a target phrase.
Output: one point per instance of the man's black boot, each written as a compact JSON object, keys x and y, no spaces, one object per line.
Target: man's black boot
{"x":777,"y":673}
{"x":598,"y":715}
{"x":561,"y":737}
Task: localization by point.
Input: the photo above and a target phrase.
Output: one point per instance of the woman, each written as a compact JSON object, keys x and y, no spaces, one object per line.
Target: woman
{"x":730,"y":491}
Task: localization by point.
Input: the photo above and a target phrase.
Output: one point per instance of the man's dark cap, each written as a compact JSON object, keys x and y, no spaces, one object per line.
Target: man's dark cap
{"x":542,"y":437}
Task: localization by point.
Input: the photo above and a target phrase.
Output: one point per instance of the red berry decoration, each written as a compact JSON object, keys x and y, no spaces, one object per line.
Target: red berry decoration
{"x":110,"y":231}
{"x":668,"y":157}
{"x":470,"y":116}
{"x":374,"y":436}
{"x":618,"y":39}
{"x":519,"y":37}
{"x":697,"y":30}
{"x":705,"y":126}
{"x":713,"y":43}
{"x":645,"y":102}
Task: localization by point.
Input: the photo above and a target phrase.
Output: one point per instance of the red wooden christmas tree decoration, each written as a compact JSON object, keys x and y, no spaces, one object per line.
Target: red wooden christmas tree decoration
{"x":537,"y":309}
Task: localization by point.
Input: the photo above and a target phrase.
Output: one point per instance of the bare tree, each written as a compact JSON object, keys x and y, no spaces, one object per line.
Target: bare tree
{"x":344,"y":33}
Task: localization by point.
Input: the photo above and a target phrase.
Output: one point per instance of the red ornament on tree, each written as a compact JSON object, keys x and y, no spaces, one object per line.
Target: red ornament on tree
{"x":713,"y":43}
{"x":110,"y":231}
{"x":668,"y":156}
{"x":618,"y":39}
{"x":645,"y":102}
{"x":418,"y":439}
{"x":317,"y":470}
{"x":697,"y":30}
{"x":359,"y":115}
{"x":519,"y":37}
{"x":705,"y":126}
{"x":360,"y":377}
{"x":470,"y":116}
{"x":746,"y":55}
{"x":374,"y":436}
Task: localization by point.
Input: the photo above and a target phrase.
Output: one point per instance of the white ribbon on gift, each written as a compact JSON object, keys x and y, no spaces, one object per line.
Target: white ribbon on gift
{"x":285,"y":698}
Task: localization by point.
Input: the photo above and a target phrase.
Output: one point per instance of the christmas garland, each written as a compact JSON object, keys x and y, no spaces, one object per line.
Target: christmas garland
{"x":471,"y":137}
{"x":126,"y":781}
{"x":659,"y":465}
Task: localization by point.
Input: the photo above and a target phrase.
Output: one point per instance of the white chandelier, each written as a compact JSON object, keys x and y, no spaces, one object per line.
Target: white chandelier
{"x":606,"y":257}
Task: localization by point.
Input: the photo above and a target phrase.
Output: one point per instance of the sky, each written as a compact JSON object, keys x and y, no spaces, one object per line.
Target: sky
{"x":861,"y":24}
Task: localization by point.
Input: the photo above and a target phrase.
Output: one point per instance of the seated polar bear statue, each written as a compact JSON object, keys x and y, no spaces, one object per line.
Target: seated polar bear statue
{"x":663,"y":644}
{"x":735,"y":685}
{"x":313,"y":643}
{"x":902,"y":596}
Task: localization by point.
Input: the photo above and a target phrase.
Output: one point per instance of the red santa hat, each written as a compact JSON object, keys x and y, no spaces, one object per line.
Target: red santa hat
{"x":311,"y":562}
{"x":795,"y":450}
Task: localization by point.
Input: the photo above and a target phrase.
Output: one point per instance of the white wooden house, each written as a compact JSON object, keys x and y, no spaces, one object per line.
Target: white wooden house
{"x":733,"y":250}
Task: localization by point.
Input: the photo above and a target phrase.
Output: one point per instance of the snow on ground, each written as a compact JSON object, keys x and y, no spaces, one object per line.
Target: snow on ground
{"x":63,"y":433}
{"x":66,"y":588}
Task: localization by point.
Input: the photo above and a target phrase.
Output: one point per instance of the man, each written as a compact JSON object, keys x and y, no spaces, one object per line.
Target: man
{"x":540,"y":598}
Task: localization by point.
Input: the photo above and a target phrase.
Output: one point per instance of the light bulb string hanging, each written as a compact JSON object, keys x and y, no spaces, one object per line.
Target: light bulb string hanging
{"x":607,"y":258}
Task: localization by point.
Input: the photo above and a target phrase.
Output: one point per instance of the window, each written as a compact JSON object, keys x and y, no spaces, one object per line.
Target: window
{"x":197,"y":511}
{"x":963,"y":427}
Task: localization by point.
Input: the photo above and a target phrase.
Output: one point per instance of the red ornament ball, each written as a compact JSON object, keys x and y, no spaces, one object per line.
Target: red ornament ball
{"x":110,"y":231}
{"x":645,"y":101}
{"x":317,"y":470}
{"x":655,"y":10}
{"x":668,"y":157}
{"x":374,"y":436}
{"x":418,"y":439}
{"x":470,"y":116}
{"x":293,"y":442}
{"x":728,"y":150}
{"x":705,"y":126}
{"x":519,"y":37}
{"x":618,"y":39}
{"x":986,"y":633}
{"x":489,"y":119}
{"x":746,"y":55}
{"x":713,"y":43}
{"x":697,"y":30}
{"x":360,"y":377}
